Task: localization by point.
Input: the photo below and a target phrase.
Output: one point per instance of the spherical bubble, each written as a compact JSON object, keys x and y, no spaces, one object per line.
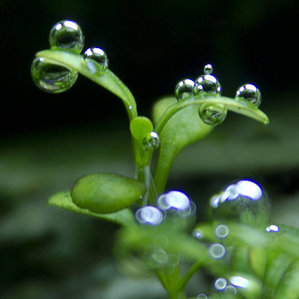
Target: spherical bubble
{"x":152,"y":141}
{"x":67,"y":35}
{"x":51,"y":77}
{"x":208,"y":69}
{"x":184,"y":89}
{"x":207,"y":85}
{"x":212,"y":114}
{"x":250,"y":93}
{"x":149,"y":215}
{"x":217,"y":251}
{"x":96,"y":60}
{"x":220,"y":284}
{"x":222,"y":231}
{"x":243,"y":201}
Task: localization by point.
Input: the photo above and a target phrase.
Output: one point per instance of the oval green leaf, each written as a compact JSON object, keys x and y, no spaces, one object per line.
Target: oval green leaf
{"x":140,"y":126}
{"x":106,"y":193}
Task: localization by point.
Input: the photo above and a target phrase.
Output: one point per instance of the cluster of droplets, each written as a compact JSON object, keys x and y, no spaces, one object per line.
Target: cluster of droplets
{"x":207,"y":85}
{"x":55,"y":78}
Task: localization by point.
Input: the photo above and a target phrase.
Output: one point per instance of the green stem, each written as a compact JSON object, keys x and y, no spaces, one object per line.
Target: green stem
{"x":188,"y":275}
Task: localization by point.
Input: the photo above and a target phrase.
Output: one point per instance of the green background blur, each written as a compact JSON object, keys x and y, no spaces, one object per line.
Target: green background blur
{"x":48,"y":141}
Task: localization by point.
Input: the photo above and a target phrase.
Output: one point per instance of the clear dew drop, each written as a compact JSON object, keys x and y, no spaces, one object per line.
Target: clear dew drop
{"x":208,"y":69}
{"x":207,"y":85}
{"x":160,"y":256}
{"x":96,"y":60}
{"x":220,"y":284}
{"x":149,"y":215}
{"x":212,"y":114}
{"x":152,"y":141}
{"x":184,"y":89}
{"x":51,"y":77}
{"x":202,"y":296}
{"x":67,"y":35}
{"x":222,"y":231}
{"x":197,"y":234}
{"x":250,"y":93}
{"x":217,"y":251}
{"x":272,"y":228}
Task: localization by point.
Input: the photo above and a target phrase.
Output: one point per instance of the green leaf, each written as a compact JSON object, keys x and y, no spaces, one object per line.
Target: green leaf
{"x":106,"y":193}
{"x":140,"y":127}
{"x":107,"y":79}
{"x":63,"y":200}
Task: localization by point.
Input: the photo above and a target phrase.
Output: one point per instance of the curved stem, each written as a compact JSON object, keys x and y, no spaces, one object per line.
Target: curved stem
{"x":188,"y":275}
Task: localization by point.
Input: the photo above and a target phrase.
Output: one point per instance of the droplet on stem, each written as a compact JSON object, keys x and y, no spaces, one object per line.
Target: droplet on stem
{"x":52,"y":78}
{"x":184,"y":89}
{"x":250,"y":93}
{"x":67,"y":35}
{"x":96,"y":60}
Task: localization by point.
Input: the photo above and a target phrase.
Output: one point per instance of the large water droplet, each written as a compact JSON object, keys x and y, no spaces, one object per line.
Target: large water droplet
{"x":152,"y":141}
{"x":51,"y":77}
{"x":244,"y":201}
{"x":149,"y":215}
{"x":67,"y":35}
{"x":250,"y":93}
{"x":96,"y":60}
{"x":207,"y":85}
{"x":220,"y":284}
{"x":212,"y":114}
{"x":217,"y":251}
{"x":208,"y":69}
{"x":184,"y":89}
{"x":222,"y":231}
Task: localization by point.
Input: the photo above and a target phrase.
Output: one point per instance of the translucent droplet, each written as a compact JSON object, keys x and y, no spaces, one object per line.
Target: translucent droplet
{"x":67,"y":35}
{"x":217,"y":251}
{"x":197,"y":234}
{"x":250,"y":93}
{"x":152,"y":141}
{"x":96,"y":60}
{"x":243,"y":201}
{"x":51,"y":77}
{"x":149,"y":215}
{"x":231,"y":290}
{"x":202,"y":296}
{"x":207,"y":85}
{"x":240,"y":282}
{"x":160,"y":256}
{"x":212,"y":114}
{"x":220,"y":284}
{"x":272,"y":228}
{"x":222,"y":231}
{"x":184,"y":89}
{"x":208,"y":69}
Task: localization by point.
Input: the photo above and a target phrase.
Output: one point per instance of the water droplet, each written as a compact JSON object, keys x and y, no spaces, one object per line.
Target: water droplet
{"x":67,"y":35}
{"x":160,"y":256}
{"x":272,"y":228}
{"x":96,"y":60}
{"x":250,"y":93}
{"x":220,"y":284}
{"x":240,"y":282}
{"x":212,"y":114}
{"x":243,"y":201}
{"x":207,"y":85}
{"x":231,"y":290}
{"x":202,"y":296}
{"x":197,"y":234}
{"x":222,"y":231}
{"x":152,"y":141}
{"x":149,"y":215}
{"x":184,"y":89}
{"x":51,"y":77}
{"x":208,"y":69}
{"x":217,"y":251}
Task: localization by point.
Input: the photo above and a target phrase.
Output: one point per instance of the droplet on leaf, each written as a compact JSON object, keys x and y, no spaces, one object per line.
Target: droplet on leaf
{"x":250,"y":93}
{"x":152,"y":141}
{"x":207,"y":85}
{"x":217,"y":251}
{"x":222,"y":231}
{"x":212,"y":114}
{"x":184,"y":89}
{"x":220,"y":284}
{"x":96,"y":60}
{"x":208,"y":69}
{"x":149,"y":215}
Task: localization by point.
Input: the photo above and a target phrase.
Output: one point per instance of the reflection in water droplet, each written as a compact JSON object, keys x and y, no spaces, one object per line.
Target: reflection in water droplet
{"x":184,"y":89}
{"x":208,"y":69}
{"x":244,"y":201}
{"x":217,"y":251}
{"x":160,"y":256}
{"x":96,"y":60}
{"x":202,"y":296}
{"x":222,"y":231}
{"x":51,"y":77}
{"x":67,"y":35}
{"x":250,"y":93}
{"x":149,"y":215}
{"x":212,"y":114}
{"x":220,"y":284}
{"x":240,"y":282}
{"x":231,"y":290}
{"x":152,"y":141}
{"x":197,"y":234}
{"x":272,"y":228}
{"x":207,"y":85}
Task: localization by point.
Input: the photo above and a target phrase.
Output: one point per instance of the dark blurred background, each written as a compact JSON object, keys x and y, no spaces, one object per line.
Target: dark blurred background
{"x":47,"y":141}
